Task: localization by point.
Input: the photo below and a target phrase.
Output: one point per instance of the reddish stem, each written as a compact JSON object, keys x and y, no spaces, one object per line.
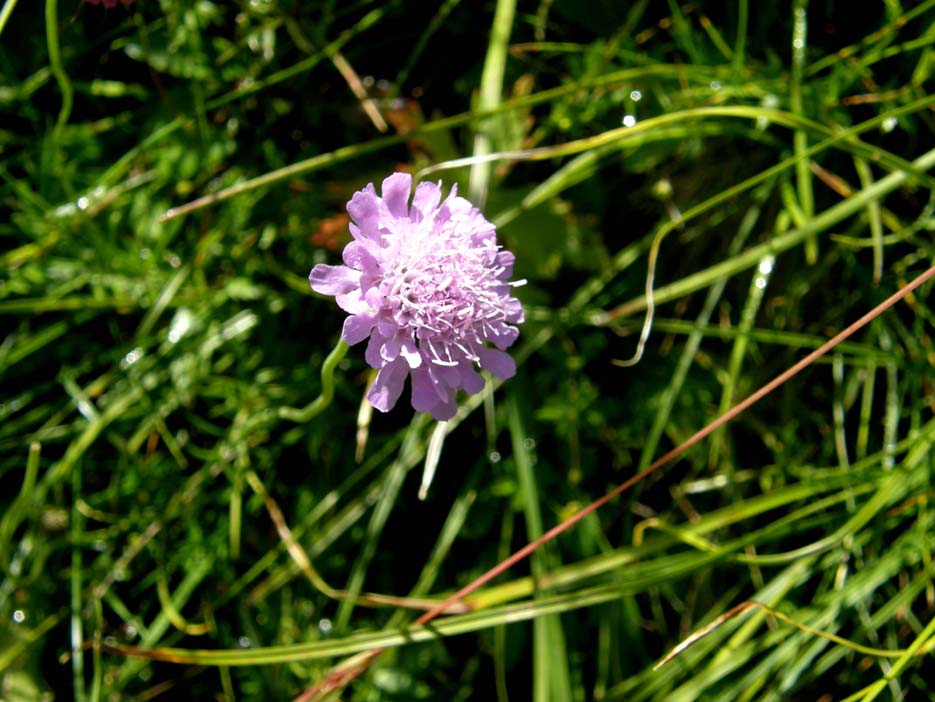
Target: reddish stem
{"x":328,"y":685}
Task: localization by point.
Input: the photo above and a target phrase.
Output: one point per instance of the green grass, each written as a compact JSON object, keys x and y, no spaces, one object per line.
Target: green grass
{"x":194,"y":505}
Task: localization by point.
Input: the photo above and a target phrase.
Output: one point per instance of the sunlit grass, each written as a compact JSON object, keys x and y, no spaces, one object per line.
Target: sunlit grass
{"x":186,"y":473}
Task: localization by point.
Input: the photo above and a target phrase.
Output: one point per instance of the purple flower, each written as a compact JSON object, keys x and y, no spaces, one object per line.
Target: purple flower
{"x":430,"y":287}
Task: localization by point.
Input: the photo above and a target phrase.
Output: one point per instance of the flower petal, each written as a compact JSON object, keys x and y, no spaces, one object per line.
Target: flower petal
{"x":357,"y":256}
{"x":444,"y":411}
{"x":357,"y":327}
{"x":388,"y":385}
{"x":502,"y":335}
{"x":387,"y":326}
{"x":447,"y":376}
{"x":352,"y":302}
{"x":514,"y":311}
{"x":497,"y":362}
{"x":372,"y":354}
{"x":333,"y":280}
{"x":373,"y":296}
{"x":424,"y":390}
{"x":505,"y":260}
{"x":410,"y":352}
{"x":471,"y":380}
{"x":390,"y":350}
{"x":364,"y":209}
{"x":396,"y":189}
{"x":458,"y":205}
{"x":430,"y":395}
{"x":426,"y":200}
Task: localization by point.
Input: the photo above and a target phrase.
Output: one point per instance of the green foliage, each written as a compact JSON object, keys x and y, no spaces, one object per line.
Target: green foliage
{"x":171,"y":171}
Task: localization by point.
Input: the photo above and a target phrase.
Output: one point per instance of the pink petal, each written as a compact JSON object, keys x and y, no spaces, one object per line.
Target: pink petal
{"x":390,"y":350}
{"x":372,"y":354}
{"x":396,"y":189}
{"x":502,"y":335}
{"x":447,"y":376}
{"x":484,"y":235}
{"x":401,"y":344}
{"x":388,"y":385}
{"x":424,"y":390}
{"x":358,"y":257}
{"x":497,"y":362}
{"x":357,"y":327}
{"x":471,"y":380}
{"x":514,"y":311}
{"x":430,"y":395}
{"x":333,"y":280}
{"x":426,"y":199}
{"x":352,"y":302}
{"x":505,"y":260}
{"x":444,"y":411}
{"x":373,"y":296}
{"x":410,"y":352}
{"x":458,"y":205}
{"x":387,"y":326}
{"x":364,"y":209}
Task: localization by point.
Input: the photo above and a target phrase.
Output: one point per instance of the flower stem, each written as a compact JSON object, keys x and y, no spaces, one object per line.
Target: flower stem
{"x":315,"y":407}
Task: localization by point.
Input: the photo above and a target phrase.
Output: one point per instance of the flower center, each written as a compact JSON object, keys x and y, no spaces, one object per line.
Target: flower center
{"x":445,"y":289}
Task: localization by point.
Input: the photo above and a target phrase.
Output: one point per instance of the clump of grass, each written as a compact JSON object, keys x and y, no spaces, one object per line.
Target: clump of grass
{"x":172,"y":171}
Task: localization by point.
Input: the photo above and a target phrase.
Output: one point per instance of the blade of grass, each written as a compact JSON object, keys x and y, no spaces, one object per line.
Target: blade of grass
{"x":693,"y":342}
{"x":550,"y":661}
{"x":381,"y":514}
{"x":340,"y":155}
{"x":64,"y":85}
{"x":5,"y":12}
{"x":827,"y":219}
{"x":800,"y":137}
{"x":738,"y":351}
{"x":75,"y":580}
{"x":874,"y":218}
{"x":491,"y":90}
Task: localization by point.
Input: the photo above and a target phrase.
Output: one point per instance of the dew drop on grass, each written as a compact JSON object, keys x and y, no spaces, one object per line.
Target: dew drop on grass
{"x":132,"y":357}
{"x":181,"y":324}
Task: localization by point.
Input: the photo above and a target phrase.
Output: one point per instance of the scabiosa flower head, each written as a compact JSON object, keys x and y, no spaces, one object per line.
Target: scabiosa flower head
{"x":429,"y":286}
